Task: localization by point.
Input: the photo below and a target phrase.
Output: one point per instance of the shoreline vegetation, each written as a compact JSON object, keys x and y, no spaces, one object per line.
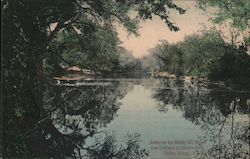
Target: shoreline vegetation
{"x":41,"y":36}
{"x":76,"y":74}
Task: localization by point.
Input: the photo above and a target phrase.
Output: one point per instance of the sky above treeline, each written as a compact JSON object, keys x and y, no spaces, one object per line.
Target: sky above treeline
{"x":153,"y":31}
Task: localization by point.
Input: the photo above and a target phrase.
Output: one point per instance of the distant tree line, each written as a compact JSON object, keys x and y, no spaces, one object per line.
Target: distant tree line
{"x":97,"y":49}
{"x":220,"y":53}
{"x":204,"y":55}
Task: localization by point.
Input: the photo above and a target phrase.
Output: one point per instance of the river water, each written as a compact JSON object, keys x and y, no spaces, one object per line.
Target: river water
{"x":143,"y":118}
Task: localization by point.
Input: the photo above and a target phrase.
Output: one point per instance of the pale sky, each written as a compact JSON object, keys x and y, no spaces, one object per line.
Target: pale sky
{"x":155,"y":30}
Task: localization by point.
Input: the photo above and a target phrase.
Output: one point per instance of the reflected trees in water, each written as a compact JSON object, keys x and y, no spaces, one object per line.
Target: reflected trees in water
{"x":195,"y":99}
{"x":225,"y":137}
{"x":184,"y":96}
{"x":77,"y":121}
{"x":222,"y":115}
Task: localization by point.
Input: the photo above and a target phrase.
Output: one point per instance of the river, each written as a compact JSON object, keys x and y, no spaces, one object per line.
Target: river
{"x":143,"y":118}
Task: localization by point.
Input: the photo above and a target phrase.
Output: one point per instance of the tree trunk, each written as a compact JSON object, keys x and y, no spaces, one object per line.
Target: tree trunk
{"x":38,"y":82}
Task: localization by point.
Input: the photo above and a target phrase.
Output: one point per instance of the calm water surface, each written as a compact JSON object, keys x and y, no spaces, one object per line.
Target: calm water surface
{"x":156,"y":119}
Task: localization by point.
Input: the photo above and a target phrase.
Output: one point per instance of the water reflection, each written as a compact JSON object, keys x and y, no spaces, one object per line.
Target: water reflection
{"x":225,"y":137}
{"x":223,"y":115}
{"x":92,"y":120}
{"x":77,"y":121}
{"x":187,"y":97}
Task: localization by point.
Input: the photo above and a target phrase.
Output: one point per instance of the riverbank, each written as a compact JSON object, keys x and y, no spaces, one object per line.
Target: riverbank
{"x":186,"y":78}
{"x":75,"y":74}
{"x":228,"y":83}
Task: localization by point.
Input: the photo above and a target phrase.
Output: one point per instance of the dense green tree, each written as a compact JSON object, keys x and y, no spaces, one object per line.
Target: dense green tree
{"x":96,"y":50}
{"x":194,"y":56}
{"x":236,"y":11}
{"x":169,"y":57}
{"x":29,"y":29}
{"x":127,"y":63}
{"x":201,"y":52}
{"x":233,"y":66}
{"x":203,"y":55}
{"x":231,"y":20}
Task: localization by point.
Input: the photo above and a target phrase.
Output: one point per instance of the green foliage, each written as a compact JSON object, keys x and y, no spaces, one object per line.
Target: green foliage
{"x":205,"y":55}
{"x":238,"y":11}
{"x":96,"y":50}
{"x":102,"y":51}
{"x":194,"y":56}
{"x":30,"y":45}
{"x":234,"y":65}
{"x":200,"y":53}
{"x":127,"y":64}
{"x":149,"y":7}
{"x":247,"y":41}
{"x":170,"y":57}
